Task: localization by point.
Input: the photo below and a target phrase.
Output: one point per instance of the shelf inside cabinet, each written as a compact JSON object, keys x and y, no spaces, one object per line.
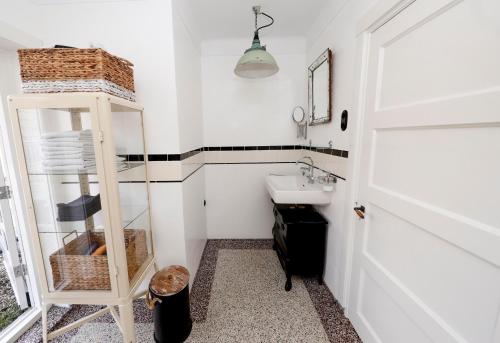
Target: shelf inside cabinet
{"x":86,"y":171}
{"x":132,"y":215}
{"x":135,"y":218}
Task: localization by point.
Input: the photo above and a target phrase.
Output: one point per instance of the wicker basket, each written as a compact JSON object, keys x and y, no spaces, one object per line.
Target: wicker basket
{"x":75,"y":70}
{"x":71,"y":270}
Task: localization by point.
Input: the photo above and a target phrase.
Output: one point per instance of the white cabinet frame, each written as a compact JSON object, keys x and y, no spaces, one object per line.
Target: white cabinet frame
{"x":122,"y":291}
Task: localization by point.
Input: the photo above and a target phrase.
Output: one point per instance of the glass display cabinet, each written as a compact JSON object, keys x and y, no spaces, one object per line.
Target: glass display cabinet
{"x":84,"y":174}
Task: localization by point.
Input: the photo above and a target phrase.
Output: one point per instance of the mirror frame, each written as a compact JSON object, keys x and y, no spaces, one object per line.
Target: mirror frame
{"x":327,"y":57}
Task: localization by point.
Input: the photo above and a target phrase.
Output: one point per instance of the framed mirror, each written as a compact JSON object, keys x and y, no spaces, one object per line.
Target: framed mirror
{"x":320,"y":89}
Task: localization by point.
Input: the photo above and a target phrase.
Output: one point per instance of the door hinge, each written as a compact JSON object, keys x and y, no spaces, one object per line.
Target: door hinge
{"x":5,"y":192}
{"x":20,"y":270}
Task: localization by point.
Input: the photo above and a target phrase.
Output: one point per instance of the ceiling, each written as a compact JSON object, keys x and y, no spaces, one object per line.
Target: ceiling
{"x":220,"y":19}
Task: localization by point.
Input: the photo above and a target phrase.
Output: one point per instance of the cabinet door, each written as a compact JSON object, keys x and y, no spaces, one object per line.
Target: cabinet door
{"x":63,"y":194}
{"x":125,"y":127}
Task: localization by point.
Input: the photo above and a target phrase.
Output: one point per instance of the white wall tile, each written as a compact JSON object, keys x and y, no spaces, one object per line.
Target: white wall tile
{"x":168,"y":223}
{"x":191,"y":164}
{"x":195,"y":231}
{"x":238,"y":205}
{"x":334,"y":212}
{"x":165,"y":171}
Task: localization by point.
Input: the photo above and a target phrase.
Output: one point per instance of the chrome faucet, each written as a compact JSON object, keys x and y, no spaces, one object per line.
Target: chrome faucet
{"x":309,"y":169}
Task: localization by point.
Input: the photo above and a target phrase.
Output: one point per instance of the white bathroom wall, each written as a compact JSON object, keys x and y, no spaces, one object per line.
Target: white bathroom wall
{"x":243,"y":112}
{"x":188,"y":78}
{"x":189,"y":110}
{"x":140,"y":31}
{"x":143,"y":32}
{"x":339,"y":34}
{"x":239,"y":111}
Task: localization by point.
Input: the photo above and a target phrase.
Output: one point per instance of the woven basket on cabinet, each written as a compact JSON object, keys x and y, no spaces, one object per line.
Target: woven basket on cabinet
{"x":71,"y":270}
{"x":57,"y":70}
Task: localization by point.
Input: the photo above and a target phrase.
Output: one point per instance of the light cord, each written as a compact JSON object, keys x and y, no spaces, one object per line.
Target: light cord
{"x":264,"y":26}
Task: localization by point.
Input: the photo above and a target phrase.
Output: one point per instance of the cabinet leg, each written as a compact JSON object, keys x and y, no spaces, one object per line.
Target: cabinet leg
{"x":320,"y":280}
{"x":44,"y":323}
{"x":127,"y":322}
{"x":288,"y":284}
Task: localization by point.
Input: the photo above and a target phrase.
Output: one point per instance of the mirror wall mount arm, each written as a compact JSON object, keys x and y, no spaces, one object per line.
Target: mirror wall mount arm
{"x":301,"y":121}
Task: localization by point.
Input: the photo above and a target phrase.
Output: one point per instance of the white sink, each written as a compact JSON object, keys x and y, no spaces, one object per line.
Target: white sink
{"x":295,"y":189}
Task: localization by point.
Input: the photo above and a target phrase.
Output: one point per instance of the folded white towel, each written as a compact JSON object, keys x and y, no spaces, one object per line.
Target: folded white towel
{"x":57,"y":152}
{"x":68,"y":139}
{"x":65,"y":144}
{"x":60,"y":134}
{"x":61,"y":148}
{"x":66,"y":149}
{"x":71,"y":168}
{"x":65,"y":162}
{"x":48,"y":156}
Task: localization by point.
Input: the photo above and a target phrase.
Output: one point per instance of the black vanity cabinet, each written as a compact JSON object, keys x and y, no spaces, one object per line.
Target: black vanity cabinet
{"x":300,"y":241}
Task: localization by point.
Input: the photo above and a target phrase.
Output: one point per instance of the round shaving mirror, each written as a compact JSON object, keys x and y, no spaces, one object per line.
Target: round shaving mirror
{"x":298,"y":114}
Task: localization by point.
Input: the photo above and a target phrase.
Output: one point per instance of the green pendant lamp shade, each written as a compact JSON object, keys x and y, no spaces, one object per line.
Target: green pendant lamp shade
{"x":256,"y":62}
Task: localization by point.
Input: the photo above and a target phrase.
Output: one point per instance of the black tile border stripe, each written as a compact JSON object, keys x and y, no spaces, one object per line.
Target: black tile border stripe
{"x":185,"y":155}
{"x":337,"y":327}
{"x":133,"y":158}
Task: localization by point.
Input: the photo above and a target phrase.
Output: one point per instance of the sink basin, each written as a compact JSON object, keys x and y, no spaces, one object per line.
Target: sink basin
{"x":295,"y":189}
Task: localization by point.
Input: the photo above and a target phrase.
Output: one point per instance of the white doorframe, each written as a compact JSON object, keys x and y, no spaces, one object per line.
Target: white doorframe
{"x":14,"y":39}
{"x":10,"y":247}
{"x":380,"y":14}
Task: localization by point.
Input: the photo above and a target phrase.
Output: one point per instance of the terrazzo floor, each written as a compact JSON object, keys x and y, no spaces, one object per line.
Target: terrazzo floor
{"x":237,"y":296}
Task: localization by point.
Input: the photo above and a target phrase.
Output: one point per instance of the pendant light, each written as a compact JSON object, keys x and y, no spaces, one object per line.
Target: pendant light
{"x":256,"y":62}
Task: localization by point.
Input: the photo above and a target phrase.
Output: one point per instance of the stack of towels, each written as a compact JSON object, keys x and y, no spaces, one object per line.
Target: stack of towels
{"x":70,"y":150}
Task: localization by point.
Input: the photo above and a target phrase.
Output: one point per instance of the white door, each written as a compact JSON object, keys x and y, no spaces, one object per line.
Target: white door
{"x":427,"y":255}
{"x":9,"y":245}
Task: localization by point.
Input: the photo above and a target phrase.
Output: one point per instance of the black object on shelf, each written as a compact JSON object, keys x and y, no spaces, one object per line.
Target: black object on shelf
{"x":79,"y":209}
{"x":299,"y":234}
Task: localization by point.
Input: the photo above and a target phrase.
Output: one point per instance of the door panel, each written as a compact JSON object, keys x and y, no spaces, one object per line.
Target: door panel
{"x":396,"y":244}
{"x":375,"y":299}
{"x":427,"y":254}
{"x":431,"y":156}
{"x":449,"y":44}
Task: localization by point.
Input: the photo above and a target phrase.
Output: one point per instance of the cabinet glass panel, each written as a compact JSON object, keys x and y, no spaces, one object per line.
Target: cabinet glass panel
{"x":132,"y":185}
{"x":65,"y":189}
